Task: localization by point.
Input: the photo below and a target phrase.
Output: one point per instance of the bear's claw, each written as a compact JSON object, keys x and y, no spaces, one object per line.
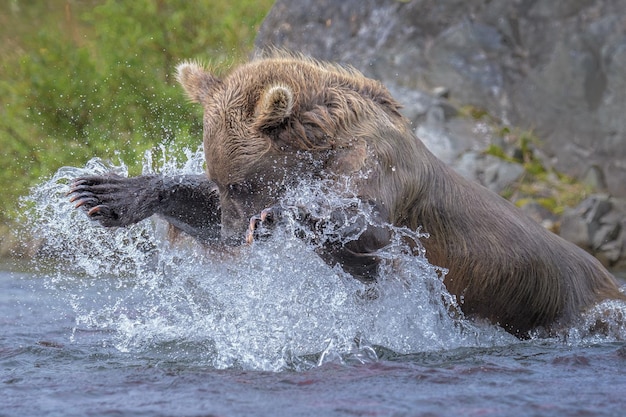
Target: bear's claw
{"x":83,"y":200}
{"x":100,"y":211}
{"x":259,"y":224}
{"x":91,"y":194}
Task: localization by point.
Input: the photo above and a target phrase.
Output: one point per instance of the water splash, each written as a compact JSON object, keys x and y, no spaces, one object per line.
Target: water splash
{"x":274,"y":305}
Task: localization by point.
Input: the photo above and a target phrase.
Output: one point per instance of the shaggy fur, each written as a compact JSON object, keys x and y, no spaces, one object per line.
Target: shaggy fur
{"x":501,"y":264}
{"x":281,"y":117}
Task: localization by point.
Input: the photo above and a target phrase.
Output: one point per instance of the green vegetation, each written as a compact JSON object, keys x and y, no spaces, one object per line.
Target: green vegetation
{"x":95,"y":78}
{"x":543,"y":185}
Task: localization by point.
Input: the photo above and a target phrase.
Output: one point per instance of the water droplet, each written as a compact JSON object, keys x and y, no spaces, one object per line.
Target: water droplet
{"x":264,"y":308}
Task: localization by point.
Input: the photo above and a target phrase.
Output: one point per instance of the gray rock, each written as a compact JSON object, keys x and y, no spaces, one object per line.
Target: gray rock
{"x":610,"y":253}
{"x":574,"y":229}
{"x":469,"y":165}
{"x":594,"y":178}
{"x":541,"y":215}
{"x":556,"y":67}
{"x":499,"y":174}
{"x":598,"y":224}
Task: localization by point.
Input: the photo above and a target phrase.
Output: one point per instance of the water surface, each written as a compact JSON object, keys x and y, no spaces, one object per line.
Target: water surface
{"x":50,"y":365}
{"x":121,"y":322}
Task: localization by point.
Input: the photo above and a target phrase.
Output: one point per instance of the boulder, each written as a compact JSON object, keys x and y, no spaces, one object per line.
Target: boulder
{"x":598,"y":224}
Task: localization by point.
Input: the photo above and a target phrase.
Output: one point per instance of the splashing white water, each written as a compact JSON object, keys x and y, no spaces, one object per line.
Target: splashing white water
{"x":270,"y":306}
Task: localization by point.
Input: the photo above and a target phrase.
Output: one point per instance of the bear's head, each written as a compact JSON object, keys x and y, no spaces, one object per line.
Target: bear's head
{"x":280,"y":119}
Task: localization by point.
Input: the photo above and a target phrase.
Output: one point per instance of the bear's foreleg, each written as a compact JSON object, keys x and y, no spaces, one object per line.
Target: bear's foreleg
{"x":189,"y":202}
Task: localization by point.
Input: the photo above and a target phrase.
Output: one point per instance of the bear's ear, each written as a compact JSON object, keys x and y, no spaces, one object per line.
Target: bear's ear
{"x":274,"y":107}
{"x":196,"y":81}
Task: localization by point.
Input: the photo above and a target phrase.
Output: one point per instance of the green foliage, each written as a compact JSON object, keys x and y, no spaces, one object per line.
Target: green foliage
{"x":552,"y":190}
{"x":498,"y":152}
{"x":95,"y":78}
{"x":474,"y":112}
{"x":539,"y":183}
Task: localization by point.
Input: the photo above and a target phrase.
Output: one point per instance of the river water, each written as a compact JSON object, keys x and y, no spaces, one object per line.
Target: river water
{"x":121,"y":322}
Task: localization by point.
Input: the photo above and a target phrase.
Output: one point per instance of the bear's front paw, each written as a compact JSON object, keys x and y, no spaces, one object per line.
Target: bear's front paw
{"x":92,"y":194}
{"x":113,"y":200}
{"x":261,"y":225}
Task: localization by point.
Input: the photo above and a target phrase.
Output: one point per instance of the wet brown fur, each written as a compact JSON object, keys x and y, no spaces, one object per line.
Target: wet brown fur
{"x":264,"y":115}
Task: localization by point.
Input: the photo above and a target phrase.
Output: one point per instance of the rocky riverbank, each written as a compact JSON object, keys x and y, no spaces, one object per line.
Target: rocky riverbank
{"x":554,"y":67}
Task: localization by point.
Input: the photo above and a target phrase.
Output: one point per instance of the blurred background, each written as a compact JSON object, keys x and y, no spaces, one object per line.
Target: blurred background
{"x":95,"y":78}
{"x":526,"y":98}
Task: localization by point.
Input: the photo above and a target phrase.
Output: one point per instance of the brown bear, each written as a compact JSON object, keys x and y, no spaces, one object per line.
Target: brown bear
{"x":280,"y":118}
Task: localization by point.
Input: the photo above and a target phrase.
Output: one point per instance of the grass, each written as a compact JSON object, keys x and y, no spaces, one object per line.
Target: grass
{"x":89,"y":78}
